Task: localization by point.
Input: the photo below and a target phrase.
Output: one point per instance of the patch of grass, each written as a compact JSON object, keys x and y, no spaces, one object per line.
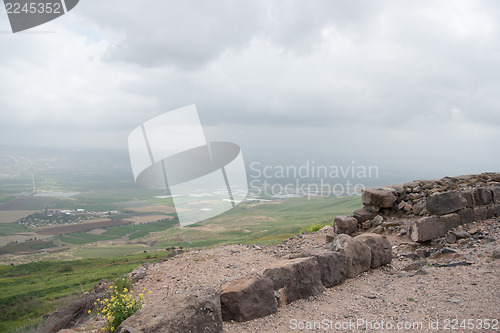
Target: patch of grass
{"x":7,"y":229}
{"x":26,"y":247}
{"x":30,"y":290}
{"x":83,"y":238}
{"x":4,"y":199}
{"x":145,"y":227}
{"x":271,"y":239}
{"x":65,"y":268}
{"x":313,"y":227}
{"x":138,"y":234}
{"x":253,"y":223}
{"x":110,"y":251}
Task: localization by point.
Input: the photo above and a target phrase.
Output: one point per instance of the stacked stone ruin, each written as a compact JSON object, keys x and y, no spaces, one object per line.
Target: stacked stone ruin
{"x":302,"y":276}
{"x":426,"y":209}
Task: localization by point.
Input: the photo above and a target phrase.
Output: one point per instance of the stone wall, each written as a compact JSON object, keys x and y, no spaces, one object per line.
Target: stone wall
{"x":427,"y":209}
{"x":303,"y":276}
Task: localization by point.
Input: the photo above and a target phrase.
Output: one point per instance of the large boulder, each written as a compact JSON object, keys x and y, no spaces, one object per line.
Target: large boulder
{"x":431,"y":227}
{"x":194,"y":310}
{"x":247,"y":298}
{"x":381,"y":249}
{"x":345,"y":225}
{"x":332,"y":266}
{"x":445,"y":203}
{"x":378,"y":197}
{"x":296,"y":278}
{"x":357,"y":253}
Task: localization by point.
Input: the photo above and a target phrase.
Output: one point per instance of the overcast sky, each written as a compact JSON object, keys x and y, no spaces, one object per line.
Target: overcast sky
{"x":410,"y":86}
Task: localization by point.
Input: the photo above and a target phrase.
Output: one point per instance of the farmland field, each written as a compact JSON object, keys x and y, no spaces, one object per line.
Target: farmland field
{"x":266,"y":223}
{"x":70,"y":228}
{"x":7,"y":216}
{"x":27,"y":203}
{"x":26,"y":247}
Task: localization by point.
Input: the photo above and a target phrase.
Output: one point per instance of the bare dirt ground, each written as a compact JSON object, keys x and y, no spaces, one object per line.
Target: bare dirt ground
{"x":456,"y":288}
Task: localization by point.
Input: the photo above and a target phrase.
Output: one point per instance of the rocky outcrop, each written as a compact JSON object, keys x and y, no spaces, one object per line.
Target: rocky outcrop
{"x":196,"y":310}
{"x":247,"y":298}
{"x":296,"y":279}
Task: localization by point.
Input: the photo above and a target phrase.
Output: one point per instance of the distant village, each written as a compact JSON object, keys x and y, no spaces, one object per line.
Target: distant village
{"x":47,"y":217}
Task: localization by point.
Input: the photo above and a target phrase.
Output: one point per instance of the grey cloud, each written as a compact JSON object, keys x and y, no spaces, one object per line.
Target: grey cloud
{"x":184,"y":34}
{"x":413,"y":85}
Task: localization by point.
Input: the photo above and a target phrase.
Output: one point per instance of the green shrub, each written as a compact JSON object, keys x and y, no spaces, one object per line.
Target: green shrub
{"x":312,"y":228}
{"x":65,"y":268}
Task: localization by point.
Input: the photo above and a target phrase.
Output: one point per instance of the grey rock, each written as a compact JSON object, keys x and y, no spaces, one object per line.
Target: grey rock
{"x":345,"y":225}
{"x":450,"y":238}
{"x":480,"y":213}
{"x":423,"y":253}
{"x":495,"y":190}
{"x":381,"y":249}
{"x":195,"y":310}
{"x":428,"y":228}
{"x":358,"y":254}
{"x":247,"y":298}
{"x":491,"y":212}
{"x":300,"y":278}
{"x":445,"y":203}
{"x":469,"y":197}
{"x":378,"y":197}
{"x":466,"y":215}
{"x":447,"y":250}
{"x":377,"y":220}
{"x":332,"y":266}
{"x":139,"y":273}
{"x":459,"y":234}
{"x":363,"y":215}
{"x":482,"y":196}
{"x":418,"y":207}
{"x":415,"y":265}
